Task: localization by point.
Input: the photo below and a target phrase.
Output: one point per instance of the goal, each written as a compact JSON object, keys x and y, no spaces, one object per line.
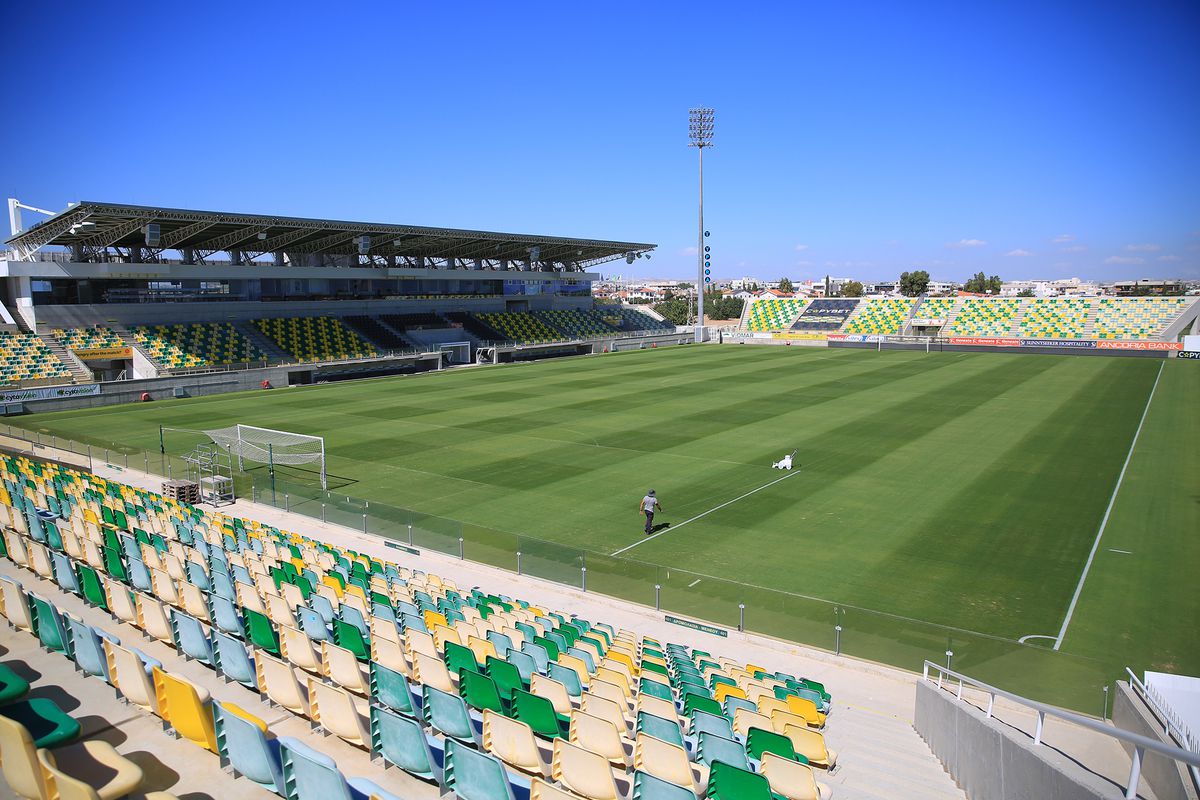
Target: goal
{"x":268,"y":446}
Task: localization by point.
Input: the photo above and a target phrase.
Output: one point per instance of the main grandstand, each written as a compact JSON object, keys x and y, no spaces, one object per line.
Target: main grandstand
{"x":103,"y":291}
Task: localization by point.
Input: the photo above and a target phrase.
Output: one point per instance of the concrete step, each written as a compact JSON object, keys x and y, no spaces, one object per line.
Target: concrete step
{"x":881,"y":757}
{"x":79,"y":371}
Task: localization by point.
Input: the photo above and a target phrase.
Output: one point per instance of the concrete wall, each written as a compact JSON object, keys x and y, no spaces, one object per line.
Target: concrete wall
{"x":1168,"y":778}
{"x":991,"y":761}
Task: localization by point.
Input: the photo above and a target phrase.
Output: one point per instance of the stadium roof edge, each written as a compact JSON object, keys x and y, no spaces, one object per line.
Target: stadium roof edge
{"x":93,"y":224}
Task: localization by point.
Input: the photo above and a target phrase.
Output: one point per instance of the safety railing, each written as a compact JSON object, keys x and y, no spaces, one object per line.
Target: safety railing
{"x":1173,"y":726}
{"x":1139,"y":743}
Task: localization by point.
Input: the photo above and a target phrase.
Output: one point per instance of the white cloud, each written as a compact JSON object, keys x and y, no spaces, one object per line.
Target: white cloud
{"x":1169,"y":258}
{"x":1143,"y":248}
{"x":800,"y":248}
{"x":1063,"y":238}
{"x":966,"y":243}
{"x":1019,"y":253}
{"x":1124,"y":260}
{"x":689,"y":251}
{"x":1075,"y":248}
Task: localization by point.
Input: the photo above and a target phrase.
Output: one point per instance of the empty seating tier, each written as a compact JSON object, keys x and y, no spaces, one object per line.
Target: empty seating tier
{"x":576,"y":324}
{"x":774,"y":313}
{"x":825,"y":315}
{"x":522,"y":326}
{"x":376,"y":333}
{"x":195,"y":345}
{"x":1137,"y":317}
{"x":316,"y":338}
{"x":1056,"y":317}
{"x":884,"y":315}
{"x":936,"y":307}
{"x":25,"y":357}
{"x":633,"y":320}
{"x":401,"y":322}
{"x":479,"y":694}
{"x":986,"y":316}
{"x":93,"y":338}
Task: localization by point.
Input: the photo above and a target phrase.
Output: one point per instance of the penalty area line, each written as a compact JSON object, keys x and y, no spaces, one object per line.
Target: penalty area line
{"x":1107,"y":512}
{"x":704,"y":513}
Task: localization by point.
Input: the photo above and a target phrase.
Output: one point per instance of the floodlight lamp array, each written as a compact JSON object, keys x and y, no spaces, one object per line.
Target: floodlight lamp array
{"x":700,"y":126}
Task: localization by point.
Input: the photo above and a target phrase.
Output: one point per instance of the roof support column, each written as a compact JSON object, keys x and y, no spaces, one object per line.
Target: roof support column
{"x":189,"y":255}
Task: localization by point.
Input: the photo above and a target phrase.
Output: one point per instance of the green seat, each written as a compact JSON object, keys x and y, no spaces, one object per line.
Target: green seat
{"x":390,"y":689}
{"x":48,"y":724}
{"x":48,"y":625}
{"x":538,"y":713}
{"x":506,"y":677}
{"x":458,"y":658}
{"x":114,"y":564}
{"x":694,"y":702}
{"x":654,"y":666}
{"x":759,"y":741}
{"x":472,"y":775}
{"x":93,"y":589}
{"x":350,"y":637}
{"x":260,"y":631}
{"x":550,"y":646}
{"x":727,"y":782}
{"x":12,"y":685}
{"x":480,"y":691}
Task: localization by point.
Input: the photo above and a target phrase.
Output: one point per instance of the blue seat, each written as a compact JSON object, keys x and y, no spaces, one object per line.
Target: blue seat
{"x":353,"y":616}
{"x":197,"y":576}
{"x":139,"y":575}
{"x":401,"y":741}
{"x":473,"y":775}
{"x":224,"y":615}
{"x":584,"y":656}
{"x":311,"y":775}
{"x":712,"y":748}
{"x":660,"y":728}
{"x":313,"y":624}
{"x":64,"y":572}
{"x":190,"y":637}
{"x":245,"y":747}
{"x":447,"y":714}
{"x":222,"y":585}
{"x":323,"y":607}
{"x":704,"y":722}
{"x":232,"y":660}
{"x":87,"y":644}
{"x":414,"y":622}
{"x":390,"y":689}
{"x":567,"y":677}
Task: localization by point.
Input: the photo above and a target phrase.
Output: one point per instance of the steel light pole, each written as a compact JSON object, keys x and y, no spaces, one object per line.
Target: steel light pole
{"x":700,"y":134}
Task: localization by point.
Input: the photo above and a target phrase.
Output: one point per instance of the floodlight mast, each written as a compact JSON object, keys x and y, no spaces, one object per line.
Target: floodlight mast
{"x":700,"y":134}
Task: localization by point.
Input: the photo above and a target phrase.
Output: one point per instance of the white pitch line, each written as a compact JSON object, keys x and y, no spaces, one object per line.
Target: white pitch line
{"x":704,"y":514}
{"x":1108,"y":511}
{"x":693,"y":583}
{"x":1115,"y":550}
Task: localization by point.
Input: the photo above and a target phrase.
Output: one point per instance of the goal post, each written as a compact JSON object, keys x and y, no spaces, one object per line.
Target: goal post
{"x":271,"y":447}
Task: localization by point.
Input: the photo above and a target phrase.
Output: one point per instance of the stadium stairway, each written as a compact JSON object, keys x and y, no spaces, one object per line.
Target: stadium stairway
{"x":79,"y":371}
{"x":265,"y":343}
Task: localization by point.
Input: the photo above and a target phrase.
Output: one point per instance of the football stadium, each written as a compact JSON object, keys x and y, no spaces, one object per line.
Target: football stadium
{"x":353,"y":508}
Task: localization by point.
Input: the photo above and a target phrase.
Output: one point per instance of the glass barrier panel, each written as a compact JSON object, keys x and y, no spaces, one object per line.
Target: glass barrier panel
{"x":623,"y":578}
{"x":552,"y":561}
{"x":700,"y":597}
{"x":490,"y":546}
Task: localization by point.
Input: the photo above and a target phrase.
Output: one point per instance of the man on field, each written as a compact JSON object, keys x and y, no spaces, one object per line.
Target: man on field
{"x":648,"y":506}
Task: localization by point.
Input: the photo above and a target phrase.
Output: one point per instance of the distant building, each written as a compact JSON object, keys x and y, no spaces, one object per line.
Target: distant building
{"x":1146,"y":286}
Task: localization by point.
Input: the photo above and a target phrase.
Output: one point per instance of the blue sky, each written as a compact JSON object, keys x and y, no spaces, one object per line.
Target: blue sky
{"x":1028,"y":139}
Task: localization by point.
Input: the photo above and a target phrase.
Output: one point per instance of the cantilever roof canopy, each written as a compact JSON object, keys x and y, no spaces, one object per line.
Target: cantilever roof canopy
{"x":96,"y":226}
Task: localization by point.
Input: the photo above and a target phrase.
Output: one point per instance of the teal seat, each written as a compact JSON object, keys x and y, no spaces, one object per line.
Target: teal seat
{"x":539,"y":654}
{"x":64,"y":573}
{"x":660,"y":728}
{"x":656,"y":689}
{"x":390,"y":689}
{"x":244,"y":746}
{"x":713,"y":748}
{"x":473,"y":775}
{"x":190,"y":638}
{"x":400,"y":740}
{"x":447,"y":714}
{"x":732,"y":704}
{"x":48,"y":725}
{"x":87,"y":647}
{"x":584,"y":656}
{"x":232,"y":660}
{"x":567,"y":677}
{"x":48,"y":625}
{"x":648,"y":787}
{"x":525,"y":664}
{"x":12,"y":685}
{"x":310,"y":775}
{"x":703,"y":722}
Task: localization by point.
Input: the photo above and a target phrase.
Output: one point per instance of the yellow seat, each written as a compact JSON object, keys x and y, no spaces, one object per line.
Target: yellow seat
{"x":601,"y":736}
{"x":185,"y":707}
{"x":339,"y":712}
{"x":583,"y":772}
{"x":793,"y":780}
{"x":90,"y":770}
{"x":811,"y":745}
{"x":664,"y":760}
{"x":127,"y":674}
{"x":513,"y":742}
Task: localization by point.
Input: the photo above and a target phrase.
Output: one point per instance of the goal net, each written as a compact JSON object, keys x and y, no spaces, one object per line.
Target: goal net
{"x":267,"y":446}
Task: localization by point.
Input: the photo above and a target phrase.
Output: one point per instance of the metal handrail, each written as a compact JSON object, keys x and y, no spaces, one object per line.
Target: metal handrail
{"x":1140,"y":743}
{"x":1183,"y":733}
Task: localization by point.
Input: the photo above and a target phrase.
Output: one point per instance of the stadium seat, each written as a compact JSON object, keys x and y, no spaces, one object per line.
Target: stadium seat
{"x":25,"y":357}
{"x":472,"y":775}
{"x":92,"y":766}
{"x":1137,"y":317}
{"x":585,"y":773}
{"x":792,"y":779}
{"x":774,"y":313}
{"x":191,"y":345}
{"x":985,"y":316}
{"x":1056,"y":317}
{"x":884,"y":315}
{"x":243,"y":742}
{"x":316,"y":338}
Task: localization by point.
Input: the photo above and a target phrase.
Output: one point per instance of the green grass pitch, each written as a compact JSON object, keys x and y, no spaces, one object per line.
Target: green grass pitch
{"x":947,"y":489}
